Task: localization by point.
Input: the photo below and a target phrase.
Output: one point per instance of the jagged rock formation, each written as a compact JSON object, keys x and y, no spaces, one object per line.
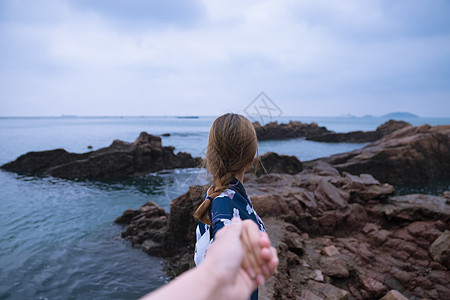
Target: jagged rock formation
{"x":119,"y":160}
{"x":313,"y":132}
{"x":409,"y":155}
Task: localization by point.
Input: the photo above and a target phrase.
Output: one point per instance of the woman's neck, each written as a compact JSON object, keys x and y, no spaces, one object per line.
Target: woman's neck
{"x":240,"y":176}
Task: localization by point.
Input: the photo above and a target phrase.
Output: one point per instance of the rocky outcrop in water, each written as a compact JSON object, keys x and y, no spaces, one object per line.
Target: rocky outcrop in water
{"x":361,"y":136}
{"x":282,"y":164}
{"x":293,"y":129}
{"x":339,"y":236}
{"x":409,"y":155}
{"x":313,"y":132}
{"x":121,"y":159}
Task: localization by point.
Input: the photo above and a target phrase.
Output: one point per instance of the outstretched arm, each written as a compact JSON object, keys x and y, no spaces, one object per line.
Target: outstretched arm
{"x":221,"y":275}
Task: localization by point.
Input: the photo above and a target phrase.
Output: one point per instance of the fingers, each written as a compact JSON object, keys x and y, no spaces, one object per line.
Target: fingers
{"x":274,"y":261}
{"x":250,"y":239}
{"x":266,"y":254}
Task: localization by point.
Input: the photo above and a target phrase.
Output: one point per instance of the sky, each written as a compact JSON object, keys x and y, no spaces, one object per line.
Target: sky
{"x":186,"y":57}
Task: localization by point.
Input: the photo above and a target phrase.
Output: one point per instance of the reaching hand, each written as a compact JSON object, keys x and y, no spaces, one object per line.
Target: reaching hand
{"x":239,"y":259}
{"x":242,"y":258}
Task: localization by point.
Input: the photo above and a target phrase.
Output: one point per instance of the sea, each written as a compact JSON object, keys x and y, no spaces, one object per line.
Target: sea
{"x":58,"y":239}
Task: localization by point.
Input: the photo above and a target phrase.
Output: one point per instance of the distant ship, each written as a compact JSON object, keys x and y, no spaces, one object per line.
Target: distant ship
{"x":187,"y":117}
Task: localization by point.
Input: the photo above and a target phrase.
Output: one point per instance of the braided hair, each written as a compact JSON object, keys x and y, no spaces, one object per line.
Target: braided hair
{"x":232,"y":146}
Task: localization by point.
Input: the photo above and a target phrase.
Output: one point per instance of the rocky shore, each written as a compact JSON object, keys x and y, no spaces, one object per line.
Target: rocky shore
{"x":339,"y":236}
{"x":406,"y":156}
{"x":313,"y":132}
{"x":340,"y":233}
{"x":121,"y":159}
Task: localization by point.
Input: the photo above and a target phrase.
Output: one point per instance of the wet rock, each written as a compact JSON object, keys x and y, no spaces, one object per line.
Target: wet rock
{"x":440,"y":249}
{"x":119,"y":160}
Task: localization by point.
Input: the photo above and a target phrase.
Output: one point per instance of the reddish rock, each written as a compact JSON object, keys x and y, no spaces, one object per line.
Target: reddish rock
{"x":382,"y":242}
{"x":440,"y":249}
{"x":334,"y":267}
{"x":393,"y":295}
{"x":408,"y":155}
{"x":330,"y":251}
{"x":372,"y":286}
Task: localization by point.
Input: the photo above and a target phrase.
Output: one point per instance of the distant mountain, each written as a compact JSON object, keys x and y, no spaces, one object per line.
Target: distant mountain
{"x":400,"y":115}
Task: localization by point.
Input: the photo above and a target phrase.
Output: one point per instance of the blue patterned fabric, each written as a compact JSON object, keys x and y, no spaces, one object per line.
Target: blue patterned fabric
{"x":233,"y":202}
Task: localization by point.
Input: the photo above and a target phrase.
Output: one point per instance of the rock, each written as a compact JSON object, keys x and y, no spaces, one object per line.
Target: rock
{"x":415,"y":207}
{"x":406,"y":156}
{"x":165,"y":134}
{"x":334,"y":267}
{"x":440,"y":249}
{"x":375,"y":245}
{"x":119,"y":160}
{"x":126,"y":217}
{"x":307,"y":295}
{"x":294,"y":129}
{"x":330,"y":251}
{"x":319,"y":275}
{"x":147,"y":228}
{"x":372,"y":286}
{"x":328,"y":291}
{"x":361,"y":136}
{"x":393,"y":295}
{"x":274,"y":163}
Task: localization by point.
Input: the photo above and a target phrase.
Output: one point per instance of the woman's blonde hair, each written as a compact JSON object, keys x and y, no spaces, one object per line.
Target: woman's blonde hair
{"x":232,"y":148}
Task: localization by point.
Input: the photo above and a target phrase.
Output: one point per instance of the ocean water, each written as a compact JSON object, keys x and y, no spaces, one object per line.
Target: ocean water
{"x":58,"y":239}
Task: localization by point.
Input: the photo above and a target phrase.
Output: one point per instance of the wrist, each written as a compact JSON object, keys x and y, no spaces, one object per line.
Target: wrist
{"x":213,"y":278}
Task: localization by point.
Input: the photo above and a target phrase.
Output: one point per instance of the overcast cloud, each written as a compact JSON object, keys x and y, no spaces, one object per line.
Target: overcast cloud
{"x":312,"y":57}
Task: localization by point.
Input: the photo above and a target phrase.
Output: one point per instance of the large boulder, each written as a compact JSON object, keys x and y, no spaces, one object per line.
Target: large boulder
{"x":440,"y":249}
{"x":274,"y":163}
{"x":406,"y":156}
{"x":119,"y":160}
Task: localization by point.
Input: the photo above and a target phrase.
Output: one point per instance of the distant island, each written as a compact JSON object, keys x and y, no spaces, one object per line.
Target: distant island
{"x":400,"y":115}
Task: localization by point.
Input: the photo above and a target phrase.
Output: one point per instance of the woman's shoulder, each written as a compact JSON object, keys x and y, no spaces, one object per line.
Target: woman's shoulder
{"x":228,"y":193}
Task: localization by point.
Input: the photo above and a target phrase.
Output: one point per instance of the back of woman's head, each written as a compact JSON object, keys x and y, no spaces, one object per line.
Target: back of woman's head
{"x":232,"y":147}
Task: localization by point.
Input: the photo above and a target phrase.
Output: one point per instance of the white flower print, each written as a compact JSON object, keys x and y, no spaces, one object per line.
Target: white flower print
{"x":236,"y":213}
{"x":249,"y":209}
{"x":225,"y":221}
